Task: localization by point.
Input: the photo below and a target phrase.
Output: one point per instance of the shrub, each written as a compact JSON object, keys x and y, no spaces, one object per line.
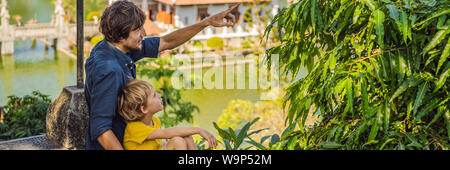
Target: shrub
{"x":198,"y":44}
{"x":377,"y":72}
{"x":90,"y":15}
{"x":215,"y":43}
{"x":24,"y":116}
{"x":95,"y":40}
{"x":246,"y":44}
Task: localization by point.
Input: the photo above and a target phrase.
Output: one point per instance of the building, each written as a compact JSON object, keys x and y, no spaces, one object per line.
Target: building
{"x":164,"y":16}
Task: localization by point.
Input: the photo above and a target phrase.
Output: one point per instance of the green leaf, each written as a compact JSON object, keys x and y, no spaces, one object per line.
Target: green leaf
{"x":330,"y":145}
{"x":257,"y":131}
{"x":440,"y":111}
{"x":413,"y":140}
{"x":404,"y":26}
{"x":365,"y":98}
{"x":387,"y":141}
{"x":338,"y":13}
{"x":419,"y":97}
{"x":442,"y":78}
{"x":371,"y":4}
{"x":427,"y":108}
{"x":393,"y":12}
{"x":227,"y":144}
{"x":387,"y":116}
{"x":231,"y":132}
{"x":241,"y":136}
{"x":379,"y":27}
{"x":356,"y":14}
{"x":437,"y":14}
{"x":440,"y":35}
{"x":349,"y":90}
{"x":275,"y":139}
{"x":447,"y":122}
{"x":411,"y":81}
{"x":374,"y":130}
{"x":224,"y":134}
{"x":263,"y":139}
{"x":444,"y":56}
{"x":313,"y":14}
{"x":258,"y":145}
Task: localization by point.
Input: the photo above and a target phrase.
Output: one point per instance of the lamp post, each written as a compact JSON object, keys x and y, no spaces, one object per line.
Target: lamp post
{"x":67,"y":116}
{"x":80,"y":43}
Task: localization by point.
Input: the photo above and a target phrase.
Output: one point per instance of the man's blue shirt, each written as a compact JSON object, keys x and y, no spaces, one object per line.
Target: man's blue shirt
{"x":107,"y":71}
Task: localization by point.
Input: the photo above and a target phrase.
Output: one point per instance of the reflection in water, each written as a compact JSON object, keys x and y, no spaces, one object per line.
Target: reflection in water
{"x":32,"y":69}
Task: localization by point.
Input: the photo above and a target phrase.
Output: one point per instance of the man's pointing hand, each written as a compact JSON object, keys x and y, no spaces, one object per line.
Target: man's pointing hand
{"x":217,"y":20}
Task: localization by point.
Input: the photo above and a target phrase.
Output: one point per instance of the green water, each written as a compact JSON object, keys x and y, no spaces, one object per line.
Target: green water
{"x":32,"y":67}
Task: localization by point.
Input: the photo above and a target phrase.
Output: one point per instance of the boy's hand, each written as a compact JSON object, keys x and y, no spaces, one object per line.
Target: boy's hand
{"x":209,"y":137}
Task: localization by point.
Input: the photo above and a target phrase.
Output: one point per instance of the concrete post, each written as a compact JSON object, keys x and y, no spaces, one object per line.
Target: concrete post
{"x":67,"y":118}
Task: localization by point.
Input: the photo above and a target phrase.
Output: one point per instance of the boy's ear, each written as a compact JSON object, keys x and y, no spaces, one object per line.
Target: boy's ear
{"x":143,"y":110}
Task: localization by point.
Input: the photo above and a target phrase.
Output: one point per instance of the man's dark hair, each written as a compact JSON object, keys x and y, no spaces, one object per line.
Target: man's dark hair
{"x":120,"y":19}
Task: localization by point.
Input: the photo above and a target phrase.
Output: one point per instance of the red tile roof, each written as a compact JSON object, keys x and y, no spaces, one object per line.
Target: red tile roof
{"x":151,"y":28}
{"x":200,"y":2}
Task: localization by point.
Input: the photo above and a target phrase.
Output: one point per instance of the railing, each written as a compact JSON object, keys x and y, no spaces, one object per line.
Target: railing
{"x":46,"y":30}
{"x":241,"y":30}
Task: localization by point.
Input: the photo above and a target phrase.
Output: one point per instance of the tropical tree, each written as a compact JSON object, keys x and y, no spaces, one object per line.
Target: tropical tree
{"x":377,"y":72}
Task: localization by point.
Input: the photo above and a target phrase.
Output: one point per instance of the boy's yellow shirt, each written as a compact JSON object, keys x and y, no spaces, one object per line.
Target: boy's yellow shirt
{"x":136,"y":134}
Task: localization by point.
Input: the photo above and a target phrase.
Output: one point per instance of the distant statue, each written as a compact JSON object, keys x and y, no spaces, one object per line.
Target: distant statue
{"x":59,"y":14}
{"x":4,"y":14}
{"x":18,"y":19}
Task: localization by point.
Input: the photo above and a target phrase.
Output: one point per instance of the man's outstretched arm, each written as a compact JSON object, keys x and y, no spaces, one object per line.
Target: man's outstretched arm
{"x":180,"y":36}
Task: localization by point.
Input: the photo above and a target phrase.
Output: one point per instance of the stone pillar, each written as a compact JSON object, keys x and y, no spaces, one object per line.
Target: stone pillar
{"x":7,"y":47}
{"x":59,"y":16}
{"x":167,"y":18}
{"x":4,"y":15}
{"x":145,"y":7}
{"x":6,"y":31}
{"x":67,"y":118}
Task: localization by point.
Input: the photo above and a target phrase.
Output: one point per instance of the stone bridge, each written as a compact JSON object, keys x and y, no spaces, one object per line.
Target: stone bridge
{"x":61,"y":32}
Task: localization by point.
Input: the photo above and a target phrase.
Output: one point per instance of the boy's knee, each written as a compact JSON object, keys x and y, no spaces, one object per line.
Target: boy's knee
{"x":189,"y":138}
{"x":177,"y":143}
{"x":178,"y":140}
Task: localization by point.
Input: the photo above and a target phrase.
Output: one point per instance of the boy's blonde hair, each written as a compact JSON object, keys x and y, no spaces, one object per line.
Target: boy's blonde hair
{"x":131,"y":97}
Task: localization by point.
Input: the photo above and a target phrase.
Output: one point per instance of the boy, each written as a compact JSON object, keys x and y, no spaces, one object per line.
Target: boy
{"x":137,"y":103}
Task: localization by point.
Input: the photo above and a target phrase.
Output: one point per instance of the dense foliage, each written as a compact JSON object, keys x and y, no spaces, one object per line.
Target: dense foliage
{"x":377,"y":72}
{"x":24,"y":116}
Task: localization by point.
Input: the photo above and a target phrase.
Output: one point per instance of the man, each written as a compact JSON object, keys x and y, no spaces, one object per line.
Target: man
{"x":111,"y":65}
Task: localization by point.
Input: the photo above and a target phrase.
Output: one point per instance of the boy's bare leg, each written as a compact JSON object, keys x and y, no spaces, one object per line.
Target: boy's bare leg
{"x":190,"y":143}
{"x":176,"y":143}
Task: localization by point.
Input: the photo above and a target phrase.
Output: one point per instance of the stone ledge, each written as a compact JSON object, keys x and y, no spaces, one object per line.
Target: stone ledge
{"x":38,"y":142}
